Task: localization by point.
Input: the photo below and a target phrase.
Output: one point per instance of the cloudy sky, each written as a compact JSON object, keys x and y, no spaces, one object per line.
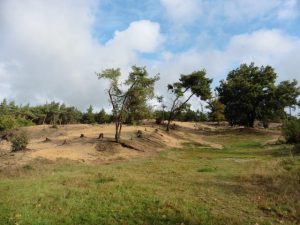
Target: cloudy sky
{"x":51,"y":49}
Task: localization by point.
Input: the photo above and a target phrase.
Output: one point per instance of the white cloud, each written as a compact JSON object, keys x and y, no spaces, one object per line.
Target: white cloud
{"x":47,"y":51}
{"x":264,"y":47}
{"x":232,"y":11}
{"x":289,"y":10}
{"x":262,"y":10}
{"x":182,"y":11}
{"x":143,"y":36}
{"x":239,"y":10}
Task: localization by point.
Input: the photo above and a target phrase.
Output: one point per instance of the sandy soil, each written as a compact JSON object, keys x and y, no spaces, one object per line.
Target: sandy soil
{"x":65,"y":142}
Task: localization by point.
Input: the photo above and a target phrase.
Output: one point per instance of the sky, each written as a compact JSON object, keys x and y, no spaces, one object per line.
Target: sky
{"x":51,"y":49}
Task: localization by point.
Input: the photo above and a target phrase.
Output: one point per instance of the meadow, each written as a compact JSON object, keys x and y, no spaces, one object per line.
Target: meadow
{"x":249,"y":181}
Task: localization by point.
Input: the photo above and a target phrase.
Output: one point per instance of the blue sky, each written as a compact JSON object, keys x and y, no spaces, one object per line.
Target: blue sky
{"x":119,"y":14}
{"x":50,"y":50}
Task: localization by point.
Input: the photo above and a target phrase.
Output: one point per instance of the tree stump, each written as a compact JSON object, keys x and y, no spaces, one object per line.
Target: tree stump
{"x":47,"y":140}
{"x":82,"y":136}
{"x":101,"y":136}
{"x":139,"y":134}
{"x":7,"y":136}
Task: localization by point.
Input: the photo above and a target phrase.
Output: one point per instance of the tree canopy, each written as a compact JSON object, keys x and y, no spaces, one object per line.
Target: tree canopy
{"x":250,"y":93}
{"x":194,"y":84}
{"x":132,"y":101}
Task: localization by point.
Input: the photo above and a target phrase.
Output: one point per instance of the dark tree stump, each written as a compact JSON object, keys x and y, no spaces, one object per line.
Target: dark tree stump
{"x":139,"y":134}
{"x":47,"y":140}
{"x":101,"y":136}
{"x":82,"y":136}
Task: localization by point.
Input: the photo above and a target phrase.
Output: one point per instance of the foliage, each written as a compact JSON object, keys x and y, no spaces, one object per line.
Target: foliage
{"x":102,"y":117}
{"x":7,"y":122}
{"x":131,"y":103}
{"x":88,"y":117}
{"x":216,"y":108}
{"x":291,"y":131}
{"x":160,"y":114}
{"x":19,"y":142}
{"x":194,"y":84}
{"x":50,"y":113}
{"x":249,"y":93}
{"x":191,"y":115}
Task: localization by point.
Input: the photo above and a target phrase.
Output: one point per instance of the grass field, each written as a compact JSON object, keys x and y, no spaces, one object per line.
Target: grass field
{"x":244,"y":183}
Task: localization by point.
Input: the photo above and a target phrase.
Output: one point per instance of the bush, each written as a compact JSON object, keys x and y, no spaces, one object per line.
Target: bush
{"x":19,"y":142}
{"x":296,"y":149}
{"x":291,"y":131}
{"x":20,"y":122}
{"x":7,"y":123}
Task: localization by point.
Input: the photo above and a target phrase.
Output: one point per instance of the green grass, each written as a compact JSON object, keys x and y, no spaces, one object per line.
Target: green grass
{"x":207,"y":169}
{"x":244,"y":183}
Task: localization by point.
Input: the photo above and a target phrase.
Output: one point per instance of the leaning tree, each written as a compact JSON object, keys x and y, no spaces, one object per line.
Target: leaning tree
{"x":140,"y":88}
{"x":194,"y":84}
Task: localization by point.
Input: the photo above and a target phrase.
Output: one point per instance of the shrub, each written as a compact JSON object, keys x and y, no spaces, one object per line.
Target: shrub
{"x":291,"y":131}
{"x":19,"y":142}
{"x":7,"y":123}
{"x":296,"y":149}
{"x":20,"y":122}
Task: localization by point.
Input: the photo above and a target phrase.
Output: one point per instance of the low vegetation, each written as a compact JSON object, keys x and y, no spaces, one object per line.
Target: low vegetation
{"x":19,"y":142}
{"x":221,"y":175}
{"x":244,"y":183}
{"x":291,"y":131}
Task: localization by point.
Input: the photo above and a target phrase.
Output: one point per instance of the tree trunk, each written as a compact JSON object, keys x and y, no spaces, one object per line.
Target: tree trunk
{"x":169,"y":121}
{"x":117,"y":132}
{"x":251,"y":121}
{"x":44,"y":119}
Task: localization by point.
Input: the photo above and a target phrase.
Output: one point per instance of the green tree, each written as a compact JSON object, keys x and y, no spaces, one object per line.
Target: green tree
{"x":216,"y":108}
{"x":4,"y":109}
{"x":291,"y":131}
{"x":160,"y":100}
{"x":138,"y":108}
{"x":123,"y":101}
{"x":89,"y":116}
{"x":194,"y":84}
{"x":249,"y":93}
{"x":102,"y":117}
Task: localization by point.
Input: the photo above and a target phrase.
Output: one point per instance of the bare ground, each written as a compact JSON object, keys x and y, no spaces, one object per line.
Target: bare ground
{"x":65,"y":142}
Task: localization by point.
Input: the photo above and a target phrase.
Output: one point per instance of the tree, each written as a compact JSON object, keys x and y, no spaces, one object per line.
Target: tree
{"x":194,"y":84}
{"x":89,"y":116}
{"x":249,"y":93}
{"x":138,"y":108}
{"x":291,"y":131}
{"x":216,"y":108}
{"x":4,"y":110}
{"x":102,"y":117}
{"x":161,"y":117}
{"x":122,"y":101}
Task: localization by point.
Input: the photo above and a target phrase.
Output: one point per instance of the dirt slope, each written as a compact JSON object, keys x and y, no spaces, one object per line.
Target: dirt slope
{"x":65,"y":142}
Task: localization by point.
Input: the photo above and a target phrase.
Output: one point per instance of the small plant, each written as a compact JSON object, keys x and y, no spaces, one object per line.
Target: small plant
{"x":207,"y":169}
{"x":19,"y":142}
{"x":291,"y":131}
